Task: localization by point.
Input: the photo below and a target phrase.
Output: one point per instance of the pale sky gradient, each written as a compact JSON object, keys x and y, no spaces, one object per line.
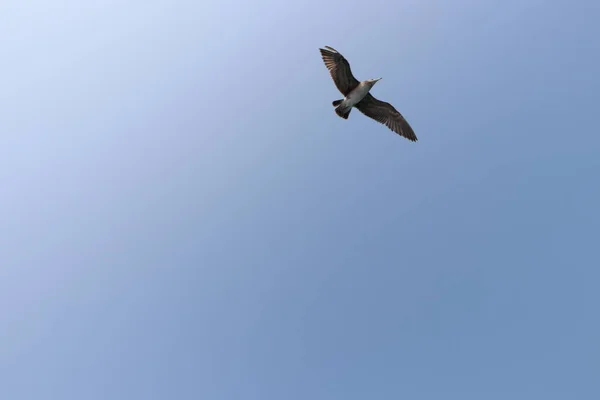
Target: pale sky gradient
{"x":185,"y":217}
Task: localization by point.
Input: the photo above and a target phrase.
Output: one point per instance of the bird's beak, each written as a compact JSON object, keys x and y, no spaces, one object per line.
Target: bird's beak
{"x":379,"y":79}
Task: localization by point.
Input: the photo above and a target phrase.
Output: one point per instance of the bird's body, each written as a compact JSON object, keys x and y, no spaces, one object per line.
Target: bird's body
{"x":357,"y":94}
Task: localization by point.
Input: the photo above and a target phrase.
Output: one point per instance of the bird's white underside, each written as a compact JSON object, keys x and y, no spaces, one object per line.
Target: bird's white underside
{"x":356,"y":95}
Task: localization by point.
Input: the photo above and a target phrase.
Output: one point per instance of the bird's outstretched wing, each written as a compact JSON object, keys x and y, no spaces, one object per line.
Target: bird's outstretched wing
{"x":339,"y":69}
{"x":386,"y":114}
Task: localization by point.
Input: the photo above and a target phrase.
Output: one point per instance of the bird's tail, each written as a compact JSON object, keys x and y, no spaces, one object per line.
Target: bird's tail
{"x":341,"y":109}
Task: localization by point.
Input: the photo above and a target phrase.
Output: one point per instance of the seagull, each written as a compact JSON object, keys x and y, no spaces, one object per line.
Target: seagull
{"x":356,"y":94}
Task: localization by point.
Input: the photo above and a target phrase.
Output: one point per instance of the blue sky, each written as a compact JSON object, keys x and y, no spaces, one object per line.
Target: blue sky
{"x":184,"y":215}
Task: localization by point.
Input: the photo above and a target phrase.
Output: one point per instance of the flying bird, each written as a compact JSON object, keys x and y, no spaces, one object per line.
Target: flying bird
{"x":356,"y":94}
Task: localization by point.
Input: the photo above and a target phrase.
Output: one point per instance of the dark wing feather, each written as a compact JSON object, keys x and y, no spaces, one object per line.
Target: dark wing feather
{"x":339,"y":69}
{"x":386,"y":114}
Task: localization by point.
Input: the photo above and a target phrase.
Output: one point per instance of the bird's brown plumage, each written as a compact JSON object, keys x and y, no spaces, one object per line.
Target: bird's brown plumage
{"x":339,"y":69}
{"x":386,"y":114}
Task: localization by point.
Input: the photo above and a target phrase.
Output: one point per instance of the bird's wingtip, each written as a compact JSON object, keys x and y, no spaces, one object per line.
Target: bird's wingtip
{"x":329,"y":48}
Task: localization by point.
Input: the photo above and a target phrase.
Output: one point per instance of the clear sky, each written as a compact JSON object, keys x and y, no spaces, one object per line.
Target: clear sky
{"x":185,"y":217}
